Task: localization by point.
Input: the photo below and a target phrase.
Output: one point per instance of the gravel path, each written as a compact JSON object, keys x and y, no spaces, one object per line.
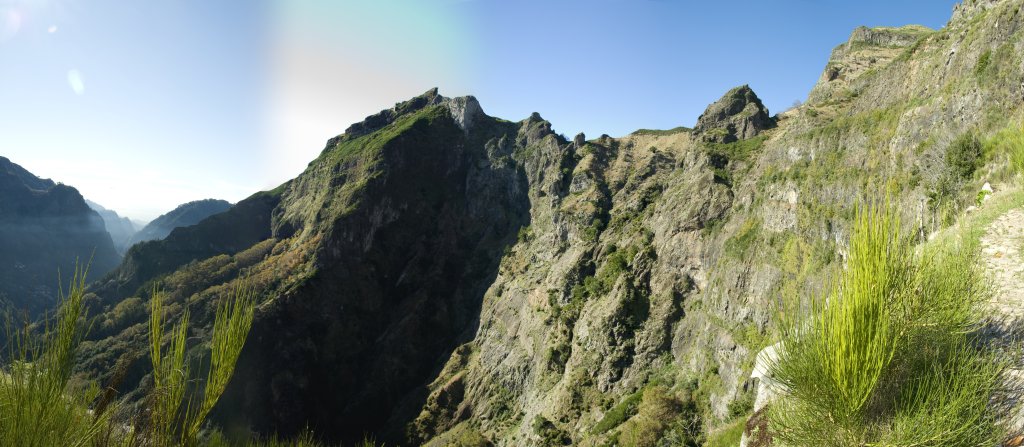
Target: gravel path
{"x":1002,"y":258}
{"x":1001,"y":253}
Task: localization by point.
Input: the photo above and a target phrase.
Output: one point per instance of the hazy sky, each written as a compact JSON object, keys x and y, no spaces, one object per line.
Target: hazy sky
{"x":146,"y":104}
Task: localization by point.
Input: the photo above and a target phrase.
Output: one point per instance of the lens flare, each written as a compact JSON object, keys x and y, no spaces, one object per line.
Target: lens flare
{"x":10,"y":23}
{"x":52,"y":29}
{"x":76,"y":82}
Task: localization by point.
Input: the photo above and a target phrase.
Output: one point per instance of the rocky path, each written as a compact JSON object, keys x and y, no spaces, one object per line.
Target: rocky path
{"x":1001,"y":249}
{"x":1002,"y":255}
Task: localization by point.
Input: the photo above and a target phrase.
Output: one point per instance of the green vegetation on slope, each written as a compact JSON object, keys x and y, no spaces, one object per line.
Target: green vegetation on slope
{"x":890,"y":356}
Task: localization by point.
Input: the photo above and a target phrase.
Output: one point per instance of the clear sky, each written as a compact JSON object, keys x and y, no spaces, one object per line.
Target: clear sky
{"x":143,"y":105}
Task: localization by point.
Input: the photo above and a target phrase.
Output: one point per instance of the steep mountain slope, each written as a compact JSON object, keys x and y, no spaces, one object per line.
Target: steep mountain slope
{"x":121,"y":229}
{"x":45,"y":228}
{"x":440,"y":276}
{"x":184,"y":215}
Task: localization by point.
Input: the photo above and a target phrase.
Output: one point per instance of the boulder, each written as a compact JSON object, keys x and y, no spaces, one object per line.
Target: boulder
{"x":579,"y":140}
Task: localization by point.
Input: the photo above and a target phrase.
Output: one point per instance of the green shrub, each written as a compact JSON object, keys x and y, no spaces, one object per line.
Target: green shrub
{"x":549,"y":433}
{"x":963,"y":156}
{"x":619,"y":413}
{"x":983,"y":63}
{"x":739,"y":244}
{"x":661,"y":415}
{"x":888,"y":357}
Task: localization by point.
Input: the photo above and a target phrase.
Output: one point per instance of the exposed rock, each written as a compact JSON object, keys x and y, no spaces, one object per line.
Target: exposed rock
{"x":867,"y":49}
{"x":579,"y":140}
{"x":967,"y":9}
{"x":464,"y":111}
{"x":884,"y":36}
{"x":738,"y":115}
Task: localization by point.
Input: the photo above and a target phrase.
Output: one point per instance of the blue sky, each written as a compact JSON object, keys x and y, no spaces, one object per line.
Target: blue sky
{"x":143,"y":105}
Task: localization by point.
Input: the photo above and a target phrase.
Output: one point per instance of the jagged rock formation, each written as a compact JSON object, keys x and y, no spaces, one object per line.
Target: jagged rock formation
{"x":121,"y":229}
{"x":965,"y":10}
{"x":45,"y":227}
{"x":183,"y":215}
{"x":438,"y":276}
{"x":738,"y":115}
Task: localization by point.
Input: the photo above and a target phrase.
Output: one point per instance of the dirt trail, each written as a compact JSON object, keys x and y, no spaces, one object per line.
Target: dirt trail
{"x":1001,"y":254}
{"x":1002,"y":257}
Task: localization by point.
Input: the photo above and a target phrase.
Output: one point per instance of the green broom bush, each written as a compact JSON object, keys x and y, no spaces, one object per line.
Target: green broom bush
{"x":890,"y":356}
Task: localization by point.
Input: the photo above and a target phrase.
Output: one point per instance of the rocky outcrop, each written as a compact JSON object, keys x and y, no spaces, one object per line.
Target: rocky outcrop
{"x":967,"y":9}
{"x":866,"y":51}
{"x":383,"y":118}
{"x":464,"y":110}
{"x":738,"y":115}
{"x":884,"y":37}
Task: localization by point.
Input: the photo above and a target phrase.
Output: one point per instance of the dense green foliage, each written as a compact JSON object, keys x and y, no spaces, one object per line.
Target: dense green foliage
{"x":964,"y":156}
{"x":662,"y":416}
{"x":890,"y":355}
{"x":619,"y":413}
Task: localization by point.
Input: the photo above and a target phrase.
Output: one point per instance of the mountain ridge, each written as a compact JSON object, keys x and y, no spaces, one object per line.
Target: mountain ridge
{"x":45,"y":228}
{"x":184,"y":215}
{"x":437,"y":275}
{"x":121,"y":229}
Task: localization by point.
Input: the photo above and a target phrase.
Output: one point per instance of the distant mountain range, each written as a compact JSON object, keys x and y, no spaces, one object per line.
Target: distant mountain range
{"x":184,"y":215}
{"x":45,"y":227}
{"x":121,"y":229}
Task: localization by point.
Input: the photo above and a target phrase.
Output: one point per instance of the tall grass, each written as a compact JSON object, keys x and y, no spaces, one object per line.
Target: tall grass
{"x":175,"y":418}
{"x":1013,"y":142}
{"x":1008,"y":141}
{"x":889,"y":356}
{"x":37,"y":407}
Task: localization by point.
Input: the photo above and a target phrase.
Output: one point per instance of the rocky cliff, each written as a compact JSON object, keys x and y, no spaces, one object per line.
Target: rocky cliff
{"x":439,"y":276}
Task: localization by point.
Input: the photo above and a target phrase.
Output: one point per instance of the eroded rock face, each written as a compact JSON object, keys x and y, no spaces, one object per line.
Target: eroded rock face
{"x":738,"y":115}
{"x":464,"y":110}
{"x":969,"y":8}
{"x":867,"y":49}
